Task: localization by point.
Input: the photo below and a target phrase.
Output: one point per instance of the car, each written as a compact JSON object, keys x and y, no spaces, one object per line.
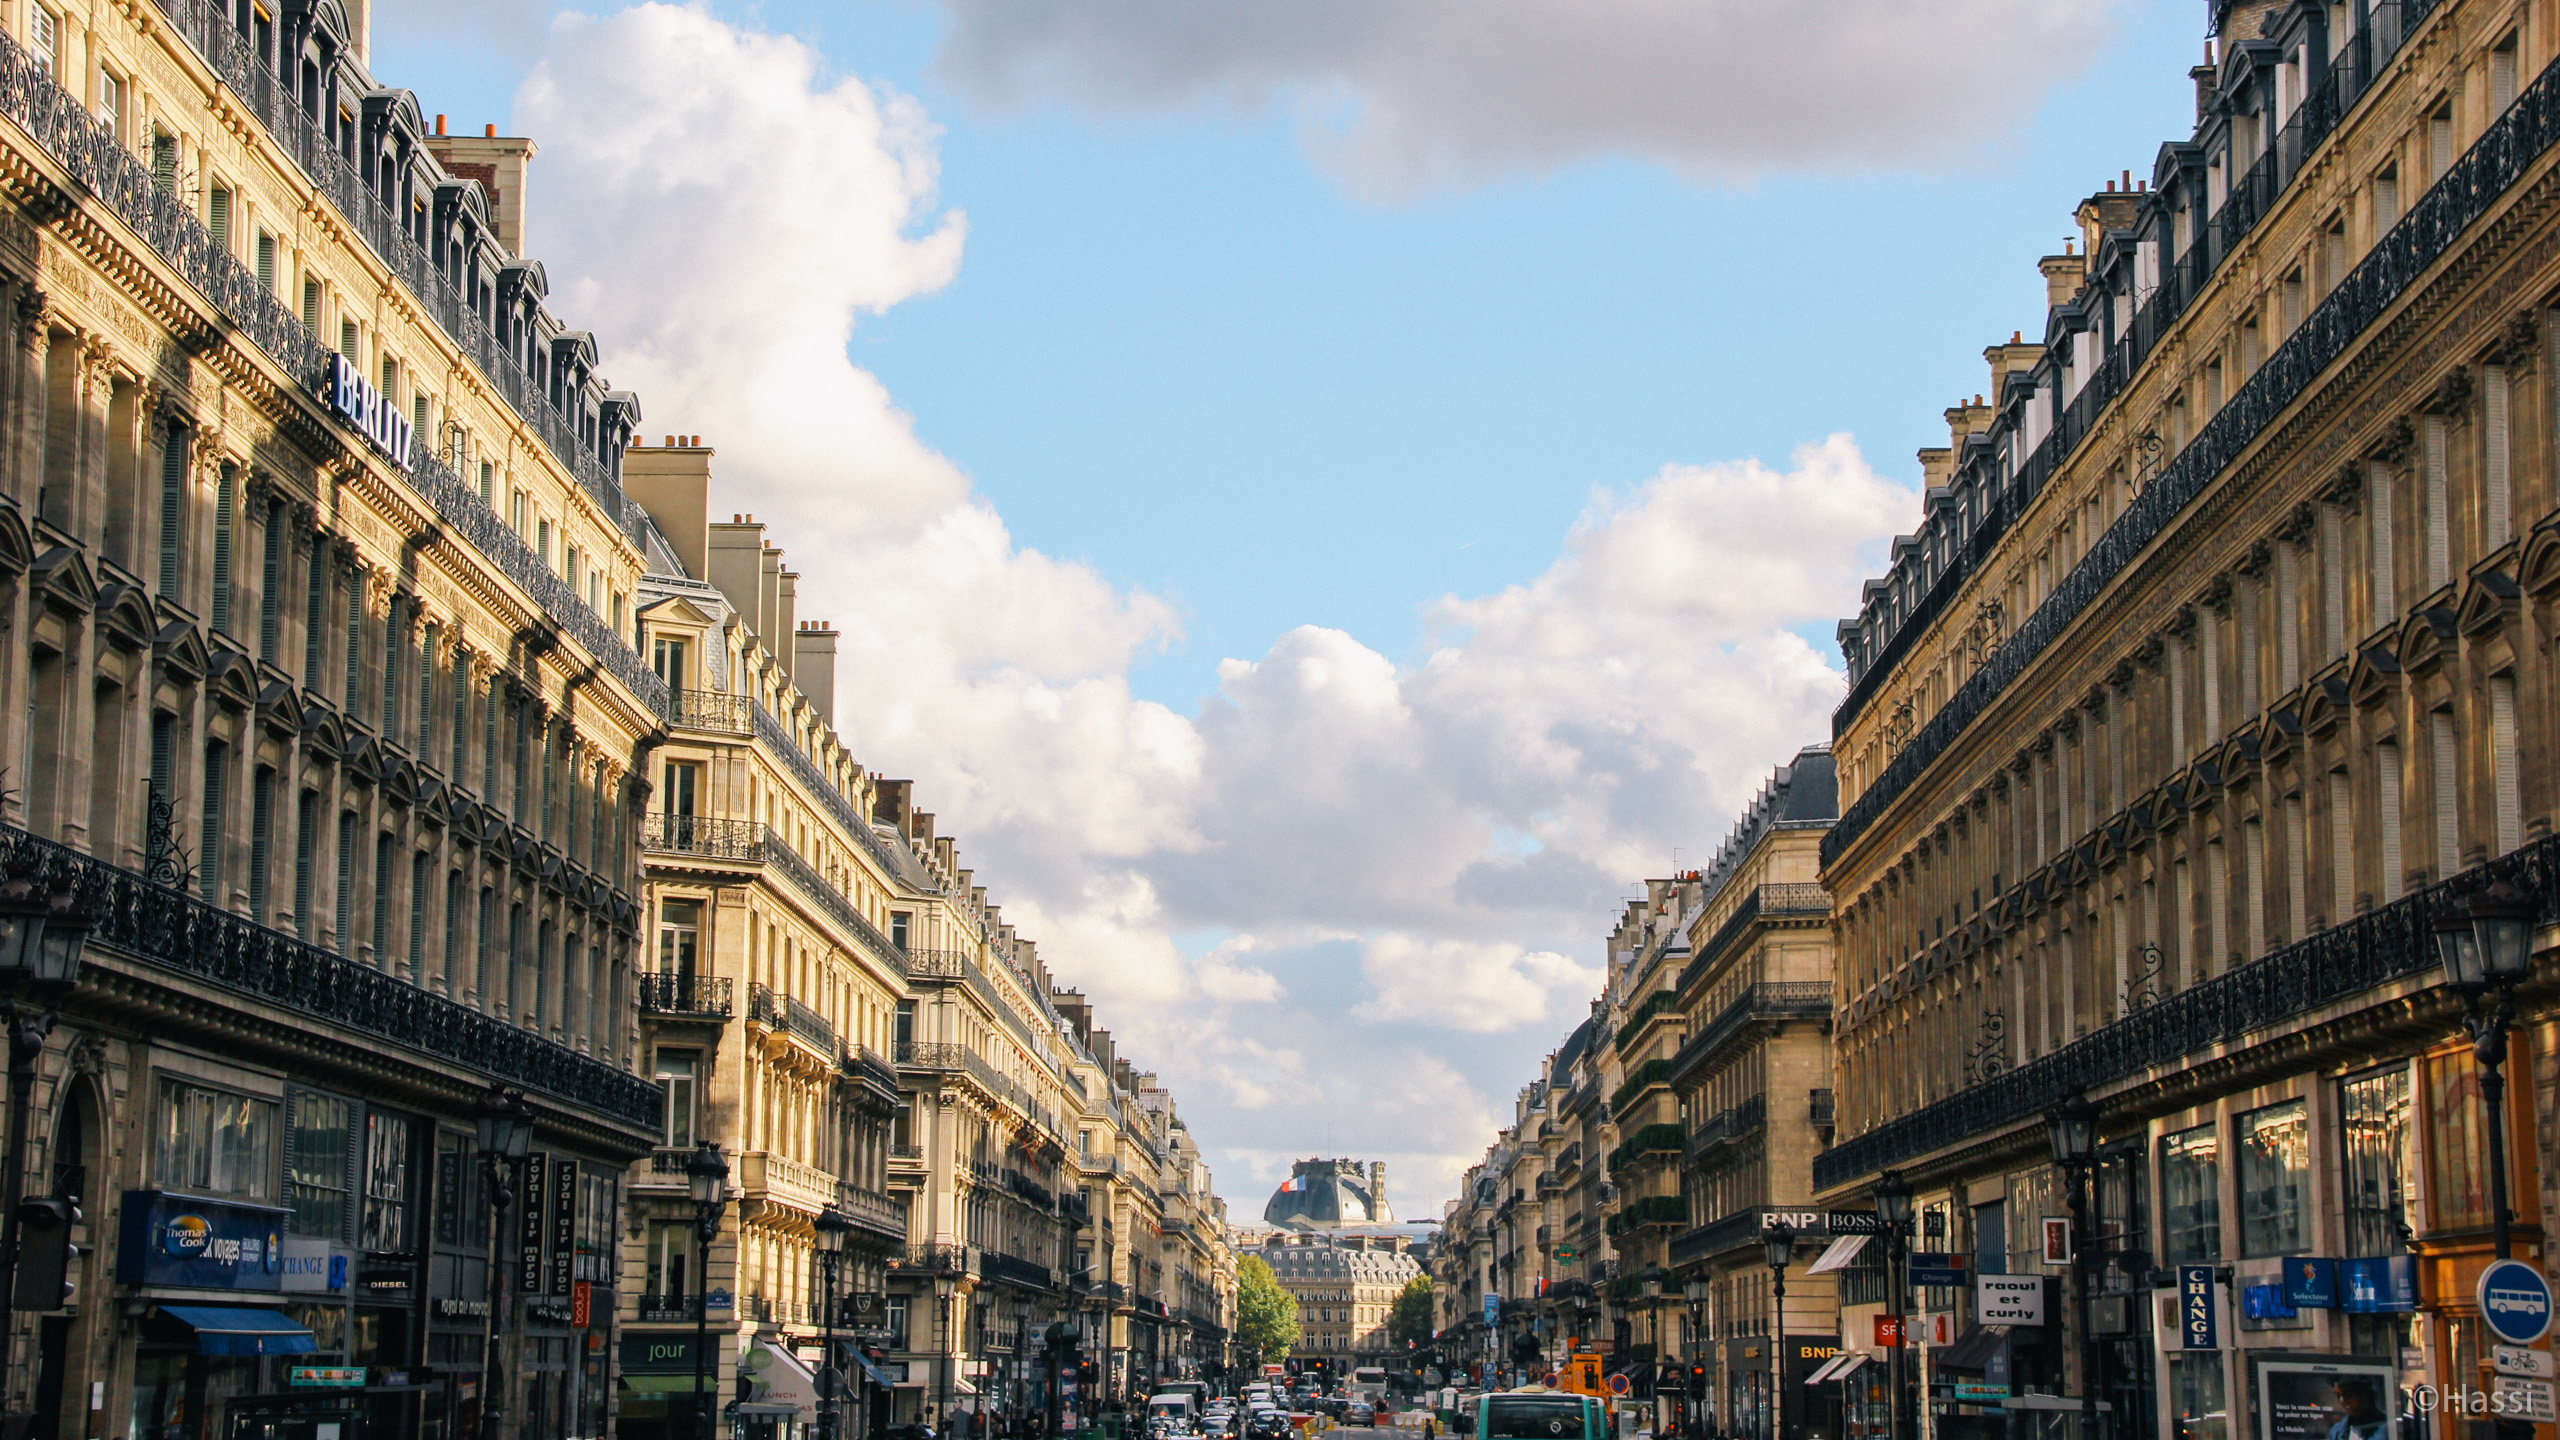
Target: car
{"x":1358,"y":1413}
{"x":1267,"y":1425}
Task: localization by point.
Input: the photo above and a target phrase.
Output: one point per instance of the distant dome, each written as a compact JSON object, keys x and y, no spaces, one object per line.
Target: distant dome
{"x":1329,"y":1194}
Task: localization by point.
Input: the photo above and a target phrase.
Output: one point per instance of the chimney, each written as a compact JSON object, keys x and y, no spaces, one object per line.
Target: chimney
{"x":736,"y":553}
{"x":674,"y":486}
{"x":769,"y":603}
{"x":786,"y":617}
{"x":890,"y":800}
{"x":500,"y":164}
{"x":813,"y":665}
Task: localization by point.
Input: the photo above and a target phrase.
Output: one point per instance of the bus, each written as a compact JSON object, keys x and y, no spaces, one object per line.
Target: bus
{"x":1369,"y":1385}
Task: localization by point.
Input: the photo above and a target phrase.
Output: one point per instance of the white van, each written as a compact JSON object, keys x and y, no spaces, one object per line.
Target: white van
{"x":1175,"y":1406}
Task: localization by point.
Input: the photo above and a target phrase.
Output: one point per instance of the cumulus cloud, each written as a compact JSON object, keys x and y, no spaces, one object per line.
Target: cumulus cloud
{"x":1400,"y":95}
{"x":1401,"y":859}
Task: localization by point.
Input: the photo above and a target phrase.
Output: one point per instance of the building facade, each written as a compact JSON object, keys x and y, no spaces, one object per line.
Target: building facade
{"x":1345,"y":1286}
{"x":325,"y":719}
{"x":2215,"y":676}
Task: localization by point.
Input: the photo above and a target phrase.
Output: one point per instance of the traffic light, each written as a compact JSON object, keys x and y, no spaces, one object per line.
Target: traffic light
{"x":45,"y":1254}
{"x":1697,"y":1382}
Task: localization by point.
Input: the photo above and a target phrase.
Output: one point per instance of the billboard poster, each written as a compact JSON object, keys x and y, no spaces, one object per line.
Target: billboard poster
{"x":2332,"y":1397}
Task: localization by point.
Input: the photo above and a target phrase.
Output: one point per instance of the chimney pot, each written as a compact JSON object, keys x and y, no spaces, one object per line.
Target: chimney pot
{"x":439,"y":124}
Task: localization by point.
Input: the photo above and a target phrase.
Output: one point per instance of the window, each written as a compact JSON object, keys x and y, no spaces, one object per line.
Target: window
{"x":2275,"y":1179}
{"x":2502,"y":75}
{"x":898,"y":923}
{"x":386,"y":1183}
{"x":676,"y":1076}
{"x":2439,"y":143}
{"x":670,"y":1251}
{"x":217,"y":774}
{"x":217,"y":217}
{"x":2386,"y":201}
{"x":315,"y":1165}
{"x":111,"y":96}
{"x":164,"y":162}
{"x":266,"y":262}
{"x":2191,"y":1196}
{"x":542,"y":541}
{"x":2458,"y":1160}
{"x":462,"y":1215}
{"x":44,"y":37}
{"x":2374,"y":1116}
{"x":213,"y":1142}
{"x":2197,"y":1380}
{"x":679,"y":936}
{"x":347,"y":341}
{"x":311,"y":305}
{"x":894,"y":1319}
{"x":488,"y":484}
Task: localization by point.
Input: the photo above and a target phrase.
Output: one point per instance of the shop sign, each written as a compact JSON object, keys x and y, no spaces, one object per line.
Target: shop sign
{"x":547,"y":1309}
{"x":2311,"y":1283}
{"x":2516,"y":1302}
{"x":1889,"y":1332}
{"x":2380,"y":1285}
{"x":531,"y":1226}
{"x":313,"y":1265}
{"x":564,"y":1223}
{"x":1825,"y":1222}
{"x":2009,"y":1299}
{"x":2199,"y":1320}
{"x":386,"y":1284}
{"x":359,"y":404}
{"x":582,"y":1304}
{"x":2057,"y":1240}
{"x":1977,"y":1391}
{"x":206,"y":1244}
{"x":1933,"y":1267}
{"x":334,"y":1376}
{"x":665,"y":1353}
{"x":448,"y":1308}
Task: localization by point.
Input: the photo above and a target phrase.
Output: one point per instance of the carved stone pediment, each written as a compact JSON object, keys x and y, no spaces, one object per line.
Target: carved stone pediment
{"x":2374,"y":677}
{"x":2489,"y":600}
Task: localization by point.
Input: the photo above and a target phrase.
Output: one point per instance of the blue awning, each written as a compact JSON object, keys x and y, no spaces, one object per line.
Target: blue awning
{"x":239,"y":1330}
{"x":878,"y":1377}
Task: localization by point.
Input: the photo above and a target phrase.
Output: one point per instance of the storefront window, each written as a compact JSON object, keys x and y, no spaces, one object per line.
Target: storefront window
{"x":2457,"y":1161}
{"x":2275,"y":1179}
{"x":2197,"y":1379}
{"x":2374,"y":1117}
{"x":212,"y":1142}
{"x":2191,"y":1196}
{"x":386,"y":1184}
{"x":316,"y":1165}
{"x":461,"y":1217}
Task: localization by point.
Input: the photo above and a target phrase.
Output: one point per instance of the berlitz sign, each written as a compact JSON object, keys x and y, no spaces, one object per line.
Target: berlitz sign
{"x":359,"y":404}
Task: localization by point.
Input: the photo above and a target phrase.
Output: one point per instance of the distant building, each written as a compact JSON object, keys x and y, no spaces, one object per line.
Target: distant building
{"x":1346,"y":1287}
{"x":1330,"y":1194}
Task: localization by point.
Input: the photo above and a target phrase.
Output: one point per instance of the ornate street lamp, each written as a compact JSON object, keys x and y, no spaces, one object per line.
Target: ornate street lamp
{"x":2072,"y":1127}
{"x":832,"y":1227}
{"x":707,"y":1174}
{"x":1893,"y":1207}
{"x":2485,"y":944}
{"x":505,"y":1131}
{"x":1779,"y":1239}
{"x":42,"y":936}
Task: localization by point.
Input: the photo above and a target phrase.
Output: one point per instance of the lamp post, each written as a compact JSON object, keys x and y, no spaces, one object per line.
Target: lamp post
{"x":42,"y":935}
{"x":1021,"y":1356}
{"x":707,"y":1173}
{"x":2486,"y":943}
{"x":1692,"y":1387}
{"x":2072,"y":1127}
{"x":505,"y":1131}
{"x":1893,"y":1207}
{"x":832,"y":1226}
{"x":1780,"y":1240}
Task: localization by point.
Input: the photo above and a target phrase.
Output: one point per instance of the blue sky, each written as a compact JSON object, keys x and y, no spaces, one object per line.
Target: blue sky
{"x":1314,"y":600}
{"x":1179,"y":350}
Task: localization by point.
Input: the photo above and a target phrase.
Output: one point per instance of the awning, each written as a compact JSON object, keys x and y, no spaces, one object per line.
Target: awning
{"x":1840,"y":1253}
{"x":1973,"y":1350}
{"x":240,"y":1330}
{"x":1836,"y":1367}
{"x":1848,"y":1365}
{"x":667,"y":1384}
{"x":790,"y":1386}
{"x":878,"y":1376}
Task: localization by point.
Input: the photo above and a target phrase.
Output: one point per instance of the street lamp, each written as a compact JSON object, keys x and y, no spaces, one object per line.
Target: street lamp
{"x":505,"y":1131}
{"x":1780,"y":1241}
{"x":832,"y":1227}
{"x":42,"y":936}
{"x":2072,"y":1127}
{"x":2486,"y":943}
{"x":1893,"y":1207}
{"x":707,"y":1173}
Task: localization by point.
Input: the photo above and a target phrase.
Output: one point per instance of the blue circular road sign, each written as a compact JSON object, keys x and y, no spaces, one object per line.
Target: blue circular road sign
{"x":2516,"y":1301}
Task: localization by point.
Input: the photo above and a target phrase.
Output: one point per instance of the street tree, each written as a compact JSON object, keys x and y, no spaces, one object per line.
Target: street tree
{"x":1266,"y":1318}
{"x":1409,"y":1322}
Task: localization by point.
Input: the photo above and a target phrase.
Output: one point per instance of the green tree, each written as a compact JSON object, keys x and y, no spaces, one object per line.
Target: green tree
{"x":1266,"y":1317}
{"x":1409,"y":1323}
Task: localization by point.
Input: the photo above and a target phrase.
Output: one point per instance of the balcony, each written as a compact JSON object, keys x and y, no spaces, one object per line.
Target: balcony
{"x":702,"y":836}
{"x":1725,"y":1128}
{"x":712,"y":710}
{"x":1012,"y":1270}
{"x":684,"y":995}
{"x":862,"y":1063}
{"x":883,"y":1215}
{"x":764,"y":1175}
{"x":1769,"y":1001}
{"x":664,"y":1309}
{"x":769,"y":1008}
{"x":933,"y":1260}
{"x":162,"y":929}
{"x":1651,"y":1210}
{"x":928,"y":964}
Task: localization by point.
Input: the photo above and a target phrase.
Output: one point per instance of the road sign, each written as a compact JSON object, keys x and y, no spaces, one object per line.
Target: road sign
{"x":1617,"y":1384}
{"x":2532,"y":1364}
{"x":2525,"y":1399}
{"x":2516,"y":1301}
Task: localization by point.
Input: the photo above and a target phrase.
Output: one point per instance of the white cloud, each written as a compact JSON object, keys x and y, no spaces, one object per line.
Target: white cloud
{"x":1404,"y":860}
{"x":1400,"y":95}
{"x":1466,"y":985}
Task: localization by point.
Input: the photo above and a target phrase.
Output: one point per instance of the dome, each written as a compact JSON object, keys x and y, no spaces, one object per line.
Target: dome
{"x":1329,"y":1194}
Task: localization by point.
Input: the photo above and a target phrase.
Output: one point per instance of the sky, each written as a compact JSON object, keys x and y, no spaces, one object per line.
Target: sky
{"x":1323,"y":496}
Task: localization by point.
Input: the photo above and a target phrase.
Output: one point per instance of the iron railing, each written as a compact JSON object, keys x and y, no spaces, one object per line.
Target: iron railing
{"x":677,"y":992}
{"x":769,"y":1007}
{"x":2468,"y":189}
{"x":701,"y":835}
{"x":774,"y":734}
{"x":186,"y":936}
{"x":862,"y":1063}
{"x":711,"y":710}
{"x":658,"y":1309}
{"x":933,"y":1260}
{"x":1767,"y":1000}
{"x":2375,"y":948}
{"x":1763,"y":900}
{"x":804,"y":877}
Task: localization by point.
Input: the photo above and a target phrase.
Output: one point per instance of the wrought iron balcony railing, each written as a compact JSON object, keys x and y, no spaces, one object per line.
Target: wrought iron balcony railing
{"x":2472,"y":186}
{"x":933,"y":1260}
{"x":861,"y":1062}
{"x":181,"y":934}
{"x":765,"y":1006}
{"x":658,"y":1309}
{"x":1768,"y":1000}
{"x":673,"y":992}
{"x":711,"y":710}
{"x":702,"y":835}
{"x":2392,"y":943}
